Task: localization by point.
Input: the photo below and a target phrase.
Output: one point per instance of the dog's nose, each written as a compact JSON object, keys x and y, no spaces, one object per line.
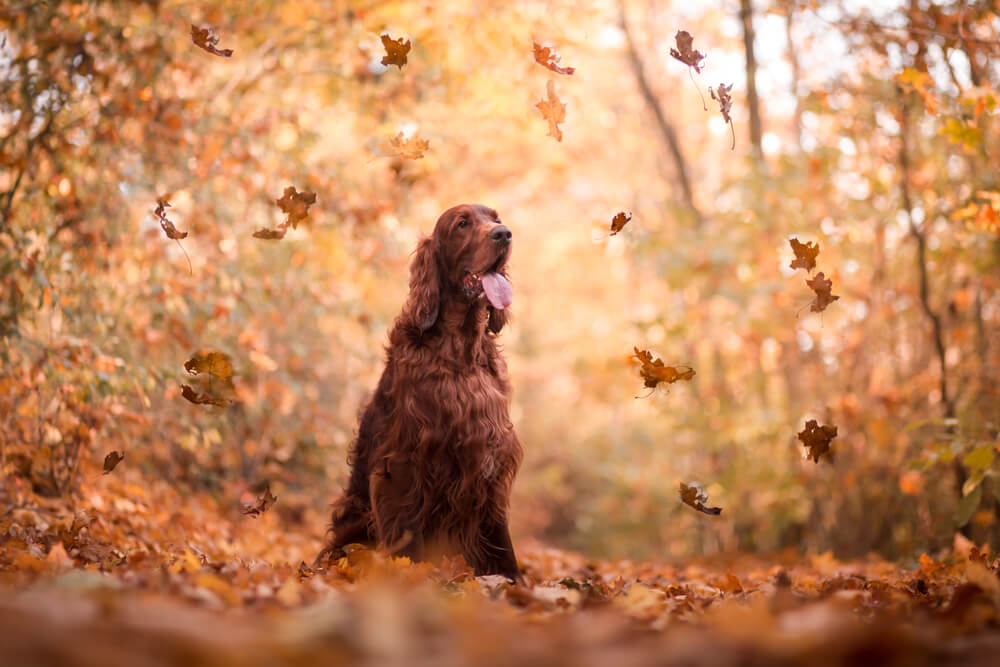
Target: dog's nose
{"x":501,"y":234}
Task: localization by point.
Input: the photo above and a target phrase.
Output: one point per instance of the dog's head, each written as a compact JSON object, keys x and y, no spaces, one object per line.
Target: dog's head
{"x":464,"y":258}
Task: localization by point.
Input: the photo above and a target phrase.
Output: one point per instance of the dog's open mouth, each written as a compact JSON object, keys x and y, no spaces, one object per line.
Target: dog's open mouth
{"x":492,"y":283}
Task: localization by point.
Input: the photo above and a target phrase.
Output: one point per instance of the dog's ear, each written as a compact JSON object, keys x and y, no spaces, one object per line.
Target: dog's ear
{"x":498,"y":319}
{"x":424,"y":302}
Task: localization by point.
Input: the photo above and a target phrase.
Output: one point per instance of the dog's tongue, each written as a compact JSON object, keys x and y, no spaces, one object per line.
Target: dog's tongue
{"x":498,"y":290}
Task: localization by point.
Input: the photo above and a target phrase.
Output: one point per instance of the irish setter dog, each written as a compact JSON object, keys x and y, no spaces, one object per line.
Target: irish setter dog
{"x":436,"y":453}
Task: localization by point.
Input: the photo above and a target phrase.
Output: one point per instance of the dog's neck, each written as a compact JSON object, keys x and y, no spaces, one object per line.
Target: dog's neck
{"x":461,"y":328}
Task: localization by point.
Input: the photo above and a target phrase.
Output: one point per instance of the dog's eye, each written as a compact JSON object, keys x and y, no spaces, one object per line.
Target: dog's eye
{"x":463,"y":223}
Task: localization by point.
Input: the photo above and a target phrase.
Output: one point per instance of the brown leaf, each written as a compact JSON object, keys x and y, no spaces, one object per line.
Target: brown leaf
{"x":817,"y":438}
{"x":262,"y":505}
{"x":553,"y":110}
{"x":205,"y":38}
{"x":549,"y":59}
{"x":202,"y":398}
{"x":721,"y":95}
{"x":215,"y":363}
{"x":111,"y":460}
{"x":275,"y":234}
{"x":395,"y":51}
{"x":168,"y":227}
{"x":410,"y":148}
{"x":822,"y":287}
{"x":694,"y":496}
{"x":653,"y":371}
{"x":619,"y":221}
{"x":685,"y":51}
{"x":295,"y":205}
{"x":805,"y":254}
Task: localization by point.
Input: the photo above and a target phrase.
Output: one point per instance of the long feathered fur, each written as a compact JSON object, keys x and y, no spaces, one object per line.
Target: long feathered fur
{"x":436,"y":452}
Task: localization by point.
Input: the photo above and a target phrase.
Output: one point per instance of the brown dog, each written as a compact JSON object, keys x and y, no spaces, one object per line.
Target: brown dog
{"x":436,"y":454}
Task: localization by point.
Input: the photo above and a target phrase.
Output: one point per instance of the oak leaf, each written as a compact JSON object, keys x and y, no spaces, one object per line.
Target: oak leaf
{"x":549,"y":59}
{"x":205,"y":38}
{"x":817,"y":438}
{"x":263,"y":504}
{"x":805,"y":254}
{"x":202,"y":398}
{"x":111,"y":460}
{"x":215,"y":363}
{"x":822,"y":286}
{"x":721,"y":95}
{"x":685,"y":51}
{"x":654,"y":371}
{"x":296,"y":205}
{"x":619,"y":221}
{"x":553,"y":110}
{"x":694,"y":496}
{"x":395,"y":51}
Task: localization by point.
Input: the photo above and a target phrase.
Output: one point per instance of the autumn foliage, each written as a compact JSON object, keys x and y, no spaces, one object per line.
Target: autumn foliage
{"x":754,"y":370}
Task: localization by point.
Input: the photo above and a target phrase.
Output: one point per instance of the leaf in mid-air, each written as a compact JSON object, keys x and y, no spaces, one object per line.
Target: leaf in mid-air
{"x":694,"y":496}
{"x":262,"y":505}
{"x":817,"y":438}
{"x":805,"y":254}
{"x":822,"y":286}
{"x":111,"y":460}
{"x":395,"y":51}
{"x":654,"y":371}
{"x":553,"y":110}
{"x":619,"y":221}
{"x":205,"y":38}
{"x":549,"y":59}
{"x":685,"y":51}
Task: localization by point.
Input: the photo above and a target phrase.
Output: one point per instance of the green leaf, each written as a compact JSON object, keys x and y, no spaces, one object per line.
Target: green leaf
{"x":967,"y":505}
{"x":980,"y":458}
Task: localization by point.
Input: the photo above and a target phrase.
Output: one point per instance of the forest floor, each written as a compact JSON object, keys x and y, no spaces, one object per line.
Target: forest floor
{"x":132,"y":572}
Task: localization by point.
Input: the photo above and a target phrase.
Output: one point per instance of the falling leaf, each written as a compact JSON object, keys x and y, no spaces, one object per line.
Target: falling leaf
{"x":296,"y":205}
{"x":203,"y":398}
{"x":721,"y":95}
{"x":694,"y":496}
{"x":168,"y":227}
{"x":805,"y":254}
{"x":410,"y":148}
{"x":817,"y":438}
{"x":111,"y":460}
{"x":553,"y":110}
{"x":206,"y":39}
{"x":549,"y":59}
{"x":262,"y":505}
{"x":654,"y":372}
{"x":822,"y":286}
{"x":619,"y":221}
{"x":275,"y":234}
{"x":395,"y":51}
{"x":215,"y":363}
{"x":685,"y":51}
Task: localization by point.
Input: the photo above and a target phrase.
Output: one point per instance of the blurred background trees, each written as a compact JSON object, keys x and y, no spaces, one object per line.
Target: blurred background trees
{"x":868,"y":129}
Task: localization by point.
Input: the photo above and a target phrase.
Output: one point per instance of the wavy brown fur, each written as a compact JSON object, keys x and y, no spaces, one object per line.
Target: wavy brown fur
{"x":436,"y":453}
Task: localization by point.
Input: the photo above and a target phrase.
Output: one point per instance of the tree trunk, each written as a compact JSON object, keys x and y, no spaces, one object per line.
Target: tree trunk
{"x":753,"y":102}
